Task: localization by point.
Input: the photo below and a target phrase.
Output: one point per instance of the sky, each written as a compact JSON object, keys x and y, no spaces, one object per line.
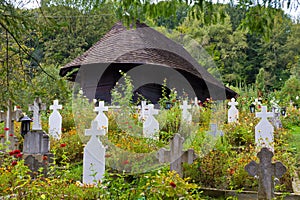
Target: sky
{"x":293,"y":11}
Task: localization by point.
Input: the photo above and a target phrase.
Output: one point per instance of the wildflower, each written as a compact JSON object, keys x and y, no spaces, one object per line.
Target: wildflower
{"x":231,"y":172}
{"x":125,"y":162}
{"x":63,"y":145}
{"x":11,"y":153}
{"x":17,"y":151}
{"x":11,"y":135}
{"x":129,"y":126}
{"x":172,"y":184}
{"x":45,"y":157}
{"x":6,"y":129}
{"x":1,"y":135}
{"x":14,"y":162}
{"x":19,"y":155}
{"x":107,"y":155}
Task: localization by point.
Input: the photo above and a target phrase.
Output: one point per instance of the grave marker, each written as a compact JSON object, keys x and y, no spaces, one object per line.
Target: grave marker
{"x":264,"y":130}
{"x":94,"y":155}
{"x":36,"y":107}
{"x":142,"y":108}
{"x":265,"y":171}
{"x":196,"y":102}
{"x":55,"y":120}
{"x":186,"y":116}
{"x":233,"y":113}
{"x":150,"y":125}
{"x":101,"y":117}
{"x":175,"y":156}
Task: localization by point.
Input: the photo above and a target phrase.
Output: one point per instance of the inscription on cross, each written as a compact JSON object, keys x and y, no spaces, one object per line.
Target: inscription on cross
{"x":265,"y":171}
{"x":55,"y":120}
{"x":93,"y":155}
{"x":264,"y":129}
{"x":101,"y":117}
{"x":233,"y":113}
{"x":175,"y":156}
{"x":36,"y":107}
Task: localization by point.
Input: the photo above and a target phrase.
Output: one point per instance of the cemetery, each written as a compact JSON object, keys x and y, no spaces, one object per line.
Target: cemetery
{"x":137,"y":115}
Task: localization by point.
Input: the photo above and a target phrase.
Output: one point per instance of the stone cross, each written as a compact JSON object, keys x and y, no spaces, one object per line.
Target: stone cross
{"x":233,"y":113}
{"x":176,"y":156}
{"x":186,"y":116}
{"x":101,"y":117}
{"x":55,"y":120}
{"x":36,"y":107}
{"x":142,"y":108}
{"x":150,"y":125}
{"x":196,"y":101}
{"x":265,"y":171}
{"x":93,"y":155}
{"x":264,"y":129}
{"x":276,"y":119}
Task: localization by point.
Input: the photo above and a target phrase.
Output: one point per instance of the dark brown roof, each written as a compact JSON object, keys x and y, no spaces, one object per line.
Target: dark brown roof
{"x":140,"y":45}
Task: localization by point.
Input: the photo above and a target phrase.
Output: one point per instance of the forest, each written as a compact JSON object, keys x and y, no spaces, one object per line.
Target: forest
{"x":241,"y":40}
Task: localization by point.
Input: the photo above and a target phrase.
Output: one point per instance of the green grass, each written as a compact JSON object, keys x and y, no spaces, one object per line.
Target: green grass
{"x":295,"y":142}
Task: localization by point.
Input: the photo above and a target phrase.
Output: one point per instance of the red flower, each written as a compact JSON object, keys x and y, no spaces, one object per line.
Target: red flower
{"x":6,"y":129}
{"x":107,"y":155}
{"x":173,"y":185}
{"x":2,"y":136}
{"x":11,"y":135}
{"x":231,"y":172}
{"x":125,"y":162}
{"x":19,"y":155}
{"x":14,"y":162}
{"x":129,"y":126}
{"x":17,"y":151}
{"x":11,"y":153}
{"x":63,"y":145}
{"x":45,"y":157}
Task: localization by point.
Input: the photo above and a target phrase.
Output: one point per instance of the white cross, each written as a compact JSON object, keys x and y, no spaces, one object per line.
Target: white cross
{"x":233,"y":102}
{"x":142,"y":108}
{"x":55,"y":106}
{"x":196,"y":101}
{"x":94,"y":131}
{"x":151,"y":111}
{"x":186,"y":116}
{"x":264,"y":114}
{"x":36,"y":108}
{"x":101,"y":107}
{"x":185,"y":106}
{"x":101,"y":117}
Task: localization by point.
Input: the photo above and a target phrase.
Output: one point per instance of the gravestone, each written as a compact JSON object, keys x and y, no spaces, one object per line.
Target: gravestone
{"x":176,"y":156}
{"x":150,"y":125}
{"x":55,"y":120}
{"x":264,"y":130}
{"x":93,"y":155}
{"x":214,"y":131}
{"x":265,"y":171}
{"x":276,"y":119}
{"x":36,"y":107}
{"x":101,"y":117}
{"x":233,"y":113}
{"x":142,"y":108}
{"x":186,"y":116}
{"x":196,"y":102}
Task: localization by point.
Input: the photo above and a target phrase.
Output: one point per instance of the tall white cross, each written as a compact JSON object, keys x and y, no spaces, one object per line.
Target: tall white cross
{"x":142,"y":110}
{"x":186,"y":115}
{"x":196,"y":101}
{"x":36,"y":108}
{"x":233,"y":113}
{"x":93,"y":155}
{"x":264,"y":130}
{"x":101,"y":117}
{"x":55,"y":120}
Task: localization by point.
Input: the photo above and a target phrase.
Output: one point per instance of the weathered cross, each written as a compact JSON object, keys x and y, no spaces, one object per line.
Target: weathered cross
{"x":55,"y":120}
{"x":94,"y":155}
{"x":36,"y":107}
{"x":265,"y":171}
{"x":196,"y":101}
{"x":233,"y":113}
{"x":150,"y":125}
{"x":101,"y":117}
{"x":175,"y":156}
{"x":264,"y":129}
{"x":142,"y":108}
{"x":186,"y":115}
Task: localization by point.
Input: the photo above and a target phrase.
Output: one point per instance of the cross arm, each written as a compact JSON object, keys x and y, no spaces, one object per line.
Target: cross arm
{"x":189,"y":156}
{"x":280,"y":169}
{"x":252,"y":168}
{"x":164,"y":155}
